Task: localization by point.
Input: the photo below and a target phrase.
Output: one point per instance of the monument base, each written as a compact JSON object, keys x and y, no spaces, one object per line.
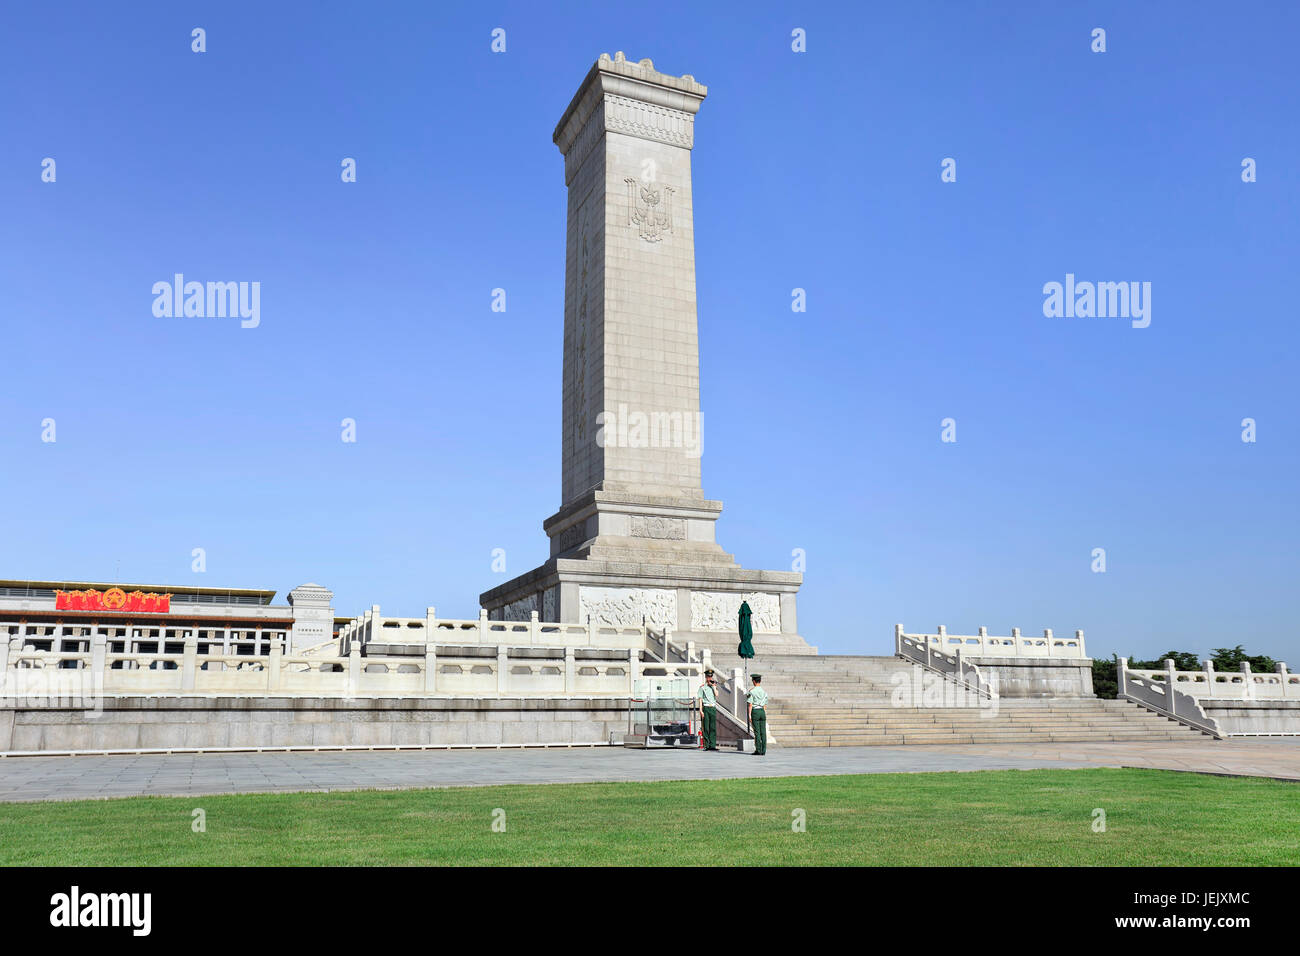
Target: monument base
{"x":621,"y":559}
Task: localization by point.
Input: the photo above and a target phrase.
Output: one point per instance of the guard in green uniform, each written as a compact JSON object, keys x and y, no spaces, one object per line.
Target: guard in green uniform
{"x":708,"y":700}
{"x":758,"y":715}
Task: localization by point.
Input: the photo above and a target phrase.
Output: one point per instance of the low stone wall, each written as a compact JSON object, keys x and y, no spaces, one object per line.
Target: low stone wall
{"x":1037,"y":676}
{"x":147,"y":723}
{"x":1254,"y":716}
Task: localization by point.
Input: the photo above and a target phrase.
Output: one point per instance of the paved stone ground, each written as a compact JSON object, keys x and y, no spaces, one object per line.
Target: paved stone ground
{"x":1243,"y":756}
{"x":73,"y":778}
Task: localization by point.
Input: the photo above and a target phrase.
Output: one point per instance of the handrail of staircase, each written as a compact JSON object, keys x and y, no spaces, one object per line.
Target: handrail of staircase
{"x":661,"y":647}
{"x":653,"y":642}
{"x":1165,"y":699}
{"x":951,"y":666}
{"x":732,"y":698}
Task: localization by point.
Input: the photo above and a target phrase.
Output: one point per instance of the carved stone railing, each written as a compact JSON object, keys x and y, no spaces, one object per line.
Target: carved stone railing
{"x":1211,"y":684}
{"x":1164,"y":696}
{"x":371,"y":627}
{"x":457,"y":670}
{"x":961,"y":672}
{"x":1016,"y":644}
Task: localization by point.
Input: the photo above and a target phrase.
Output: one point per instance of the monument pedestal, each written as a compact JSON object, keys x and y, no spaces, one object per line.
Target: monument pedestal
{"x":634,"y":540}
{"x":655,"y":559}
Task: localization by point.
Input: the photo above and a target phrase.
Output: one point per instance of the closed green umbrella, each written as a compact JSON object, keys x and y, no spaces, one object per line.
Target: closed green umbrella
{"x":746,"y":648}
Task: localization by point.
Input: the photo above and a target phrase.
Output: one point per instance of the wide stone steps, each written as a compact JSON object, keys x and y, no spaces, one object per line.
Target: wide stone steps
{"x":948,"y":713}
{"x":791,"y":739}
{"x":923,"y":719}
{"x":885,"y":740}
{"x":1002,"y":706}
{"x":790,"y":731}
{"x":1029,"y":734}
{"x":830,"y":700}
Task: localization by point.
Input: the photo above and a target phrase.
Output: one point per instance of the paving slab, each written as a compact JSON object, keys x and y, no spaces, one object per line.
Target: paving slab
{"x":86,"y":777}
{"x":1277,"y":757}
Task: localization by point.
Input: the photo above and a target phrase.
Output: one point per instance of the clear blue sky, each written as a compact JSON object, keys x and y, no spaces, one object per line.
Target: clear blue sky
{"x":817,"y":170}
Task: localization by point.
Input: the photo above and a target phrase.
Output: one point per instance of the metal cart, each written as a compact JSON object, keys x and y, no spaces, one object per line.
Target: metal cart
{"x":661,"y":713}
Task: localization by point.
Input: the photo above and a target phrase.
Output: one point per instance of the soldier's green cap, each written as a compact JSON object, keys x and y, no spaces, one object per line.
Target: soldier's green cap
{"x":755,"y":676}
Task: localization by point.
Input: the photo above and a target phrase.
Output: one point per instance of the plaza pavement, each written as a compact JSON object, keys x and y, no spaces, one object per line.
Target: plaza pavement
{"x":96,"y":777}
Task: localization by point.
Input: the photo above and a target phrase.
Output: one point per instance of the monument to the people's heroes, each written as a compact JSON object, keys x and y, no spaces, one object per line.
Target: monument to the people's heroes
{"x":634,"y":536}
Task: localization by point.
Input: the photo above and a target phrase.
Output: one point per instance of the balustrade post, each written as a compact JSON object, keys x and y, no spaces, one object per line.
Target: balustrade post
{"x":943,"y":638}
{"x":483,"y":623}
{"x":430,"y":651}
{"x":1210,"y":680}
{"x":1284,"y":677}
{"x":633,"y":669}
{"x":1169,"y":678}
{"x":1248,"y":692}
{"x":706,"y":658}
{"x":532,"y":629}
{"x":189,"y":660}
{"x":273,"y":668}
{"x":984,"y":640}
{"x":1015,"y":640}
{"x":1120,"y":677}
{"x":898,"y":638}
{"x":98,"y":662}
{"x":430,"y":668}
{"x":503,"y":670}
{"x":1047,"y":639}
{"x":1078,"y":636}
{"x":354,"y":671}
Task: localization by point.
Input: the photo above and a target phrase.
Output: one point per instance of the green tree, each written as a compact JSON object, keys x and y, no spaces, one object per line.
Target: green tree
{"x":1183,"y":661}
{"x":1104,"y":682}
{"x":1231,"y":659}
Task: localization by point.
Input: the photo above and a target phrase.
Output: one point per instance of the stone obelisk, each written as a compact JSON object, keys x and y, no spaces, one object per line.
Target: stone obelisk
{"x":634,"y":536}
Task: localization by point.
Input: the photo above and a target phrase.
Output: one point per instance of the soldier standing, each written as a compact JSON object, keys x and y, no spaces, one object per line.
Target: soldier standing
{"x":758,"y":715}
{"x":708,"y":701}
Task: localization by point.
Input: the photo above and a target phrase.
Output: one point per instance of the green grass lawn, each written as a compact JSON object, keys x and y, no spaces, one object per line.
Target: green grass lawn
{"x":1003,"y":817}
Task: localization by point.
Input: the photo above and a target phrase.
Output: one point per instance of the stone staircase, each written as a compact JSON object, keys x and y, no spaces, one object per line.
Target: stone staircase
{"x":837,"y":701}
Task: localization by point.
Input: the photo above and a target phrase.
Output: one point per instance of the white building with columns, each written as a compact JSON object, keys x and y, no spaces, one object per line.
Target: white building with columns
{"x":65,"y":616}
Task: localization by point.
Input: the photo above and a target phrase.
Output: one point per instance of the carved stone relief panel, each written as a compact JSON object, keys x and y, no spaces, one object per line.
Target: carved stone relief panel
{"x":720,"y":611}
{"x":625,"y":606}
